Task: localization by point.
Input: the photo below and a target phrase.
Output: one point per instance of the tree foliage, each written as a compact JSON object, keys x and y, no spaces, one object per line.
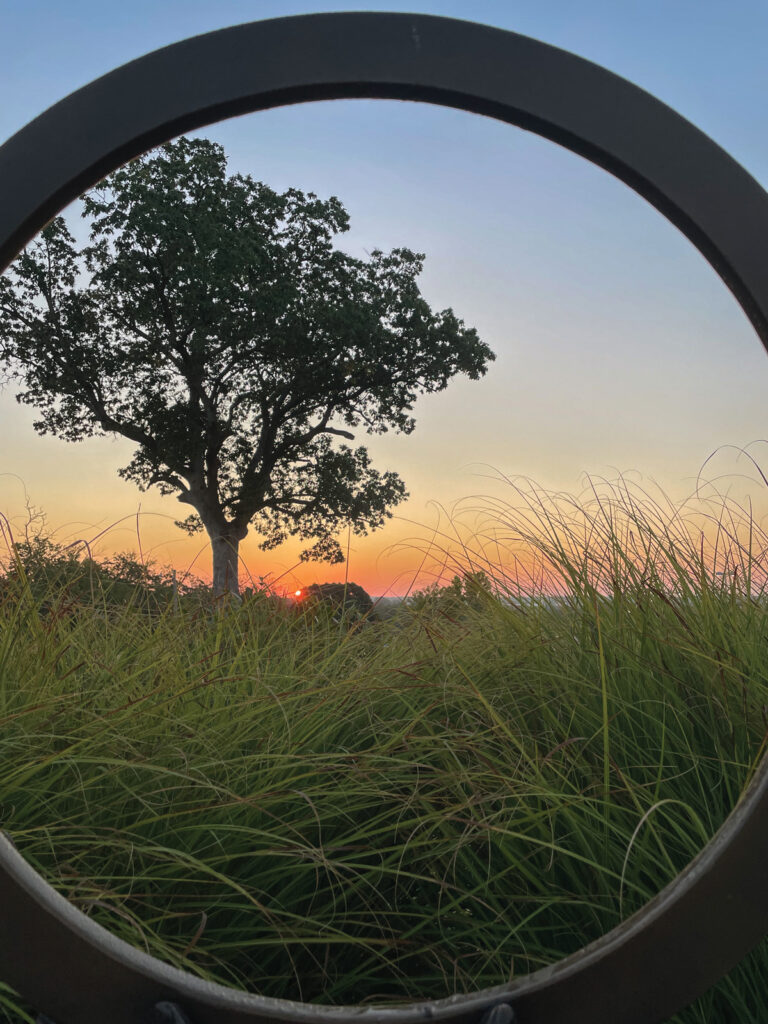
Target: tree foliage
{"x":212,"y":322}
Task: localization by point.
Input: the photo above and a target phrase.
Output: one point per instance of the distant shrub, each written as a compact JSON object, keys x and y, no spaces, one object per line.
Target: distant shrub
{"x":347,"y":599}
{"x":58,"y":576}
{"x":468,"y":590}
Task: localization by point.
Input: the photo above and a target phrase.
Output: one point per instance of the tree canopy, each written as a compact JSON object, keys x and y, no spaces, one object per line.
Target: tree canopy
{"x":212,"y":321}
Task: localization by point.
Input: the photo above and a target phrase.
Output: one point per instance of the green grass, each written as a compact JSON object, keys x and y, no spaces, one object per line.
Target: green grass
{"x":431,"y":804}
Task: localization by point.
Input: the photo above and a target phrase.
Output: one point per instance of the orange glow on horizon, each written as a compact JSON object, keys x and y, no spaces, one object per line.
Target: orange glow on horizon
{"x":494,"y":532}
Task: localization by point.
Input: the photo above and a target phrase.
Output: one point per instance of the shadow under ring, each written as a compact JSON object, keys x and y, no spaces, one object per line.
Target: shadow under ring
{"x":716,"y":910}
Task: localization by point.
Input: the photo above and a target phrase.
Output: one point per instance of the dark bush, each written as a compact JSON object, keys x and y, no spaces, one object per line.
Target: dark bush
{"x":344,"y":599}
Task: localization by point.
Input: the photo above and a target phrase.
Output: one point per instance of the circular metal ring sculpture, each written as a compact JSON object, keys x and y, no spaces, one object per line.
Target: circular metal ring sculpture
{"x":705,"y":921}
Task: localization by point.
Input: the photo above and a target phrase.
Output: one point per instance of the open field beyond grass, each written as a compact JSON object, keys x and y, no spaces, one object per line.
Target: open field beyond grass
{"x":383,"y":811}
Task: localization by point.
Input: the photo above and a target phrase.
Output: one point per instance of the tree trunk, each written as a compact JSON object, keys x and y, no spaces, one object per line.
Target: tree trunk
{"x":225,"y":564}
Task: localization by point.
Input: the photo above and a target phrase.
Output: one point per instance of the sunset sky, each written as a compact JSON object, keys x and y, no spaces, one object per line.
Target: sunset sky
{"x":618,"y":348}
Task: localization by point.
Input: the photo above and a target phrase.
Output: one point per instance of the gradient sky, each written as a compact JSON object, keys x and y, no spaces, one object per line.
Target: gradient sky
{"x":618,"y":348}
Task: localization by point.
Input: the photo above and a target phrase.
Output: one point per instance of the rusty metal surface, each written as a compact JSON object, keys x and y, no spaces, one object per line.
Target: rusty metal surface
{"x":714,"y":912}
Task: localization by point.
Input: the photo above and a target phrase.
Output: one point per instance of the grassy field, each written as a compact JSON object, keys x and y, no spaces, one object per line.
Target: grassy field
{"x":374,"y":812}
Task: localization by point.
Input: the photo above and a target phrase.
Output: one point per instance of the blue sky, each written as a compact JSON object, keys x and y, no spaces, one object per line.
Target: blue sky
{"x":618,"y":348}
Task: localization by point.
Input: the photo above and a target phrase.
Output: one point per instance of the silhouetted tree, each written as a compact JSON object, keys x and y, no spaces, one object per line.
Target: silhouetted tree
{"x":212,"y":322}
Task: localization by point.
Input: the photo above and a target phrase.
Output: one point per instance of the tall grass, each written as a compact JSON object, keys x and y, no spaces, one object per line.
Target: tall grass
{"x":378,"y":812}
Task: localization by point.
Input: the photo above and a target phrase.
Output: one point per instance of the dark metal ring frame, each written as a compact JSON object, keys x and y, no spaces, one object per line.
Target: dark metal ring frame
{"x":705,"y":921}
